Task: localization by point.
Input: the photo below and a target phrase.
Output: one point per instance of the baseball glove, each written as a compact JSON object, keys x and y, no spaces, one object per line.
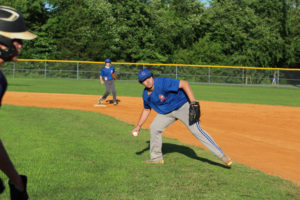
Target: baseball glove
{"x":114,"y":76}
{"x":194,"y":112}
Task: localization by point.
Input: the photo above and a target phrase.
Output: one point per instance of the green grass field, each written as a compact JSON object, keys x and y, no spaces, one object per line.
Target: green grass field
{"x":70,"y":154}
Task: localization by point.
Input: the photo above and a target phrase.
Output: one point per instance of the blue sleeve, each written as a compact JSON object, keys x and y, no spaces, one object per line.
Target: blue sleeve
{"x":113,"y":69}
{"x":101,"y":72}
{"x":170,"y":84}
{"x":146,"y":106}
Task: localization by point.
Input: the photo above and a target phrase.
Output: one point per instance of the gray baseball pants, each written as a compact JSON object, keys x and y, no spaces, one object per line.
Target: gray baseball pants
{"x":162,"y":121}
{"x":110,"y":86}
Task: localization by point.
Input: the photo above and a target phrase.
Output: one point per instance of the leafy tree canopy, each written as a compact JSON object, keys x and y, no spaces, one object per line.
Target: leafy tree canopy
{"x":228,"y":32}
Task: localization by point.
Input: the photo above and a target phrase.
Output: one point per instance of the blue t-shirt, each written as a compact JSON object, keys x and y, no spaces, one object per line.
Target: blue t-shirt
{"x":106,"y":73}
{"x":166,"y":96}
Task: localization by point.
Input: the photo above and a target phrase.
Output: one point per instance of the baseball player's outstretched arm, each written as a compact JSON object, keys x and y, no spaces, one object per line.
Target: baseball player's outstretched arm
{"x":144,"y":116}
{"x":187,"y":89}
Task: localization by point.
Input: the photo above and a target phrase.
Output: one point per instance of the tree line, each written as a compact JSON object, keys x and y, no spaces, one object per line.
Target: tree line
{"x":261,"y":33}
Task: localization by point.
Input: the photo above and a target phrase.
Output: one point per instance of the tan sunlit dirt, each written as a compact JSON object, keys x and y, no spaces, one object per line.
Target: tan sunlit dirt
{"x":261,"y":136}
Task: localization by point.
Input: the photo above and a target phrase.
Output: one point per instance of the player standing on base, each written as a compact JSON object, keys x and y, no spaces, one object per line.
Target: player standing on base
{"x":12,"y":32}
{"x":107,"y":77}
{"x":172,"y":99}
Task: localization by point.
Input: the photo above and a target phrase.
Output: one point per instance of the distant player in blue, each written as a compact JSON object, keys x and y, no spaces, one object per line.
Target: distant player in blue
{"x":171,"y":99}
{"x":274,"y":81}
{"x":107,"y":77}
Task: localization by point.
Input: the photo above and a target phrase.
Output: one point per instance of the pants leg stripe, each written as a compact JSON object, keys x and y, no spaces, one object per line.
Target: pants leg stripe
{"x":208,"y":138}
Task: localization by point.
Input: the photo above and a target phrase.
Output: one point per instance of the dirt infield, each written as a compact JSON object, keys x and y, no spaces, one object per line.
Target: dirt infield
{"x":261,"y":136}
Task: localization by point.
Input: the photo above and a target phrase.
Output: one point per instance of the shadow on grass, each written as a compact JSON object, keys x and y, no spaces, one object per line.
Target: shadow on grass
{"x":187,"y":151}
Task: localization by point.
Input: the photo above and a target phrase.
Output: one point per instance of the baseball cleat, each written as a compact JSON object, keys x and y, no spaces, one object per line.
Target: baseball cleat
{"x":115,"y":103}
{"x":227,"y":160}
{"x":154,"y":162}
{"x":99,"y":101}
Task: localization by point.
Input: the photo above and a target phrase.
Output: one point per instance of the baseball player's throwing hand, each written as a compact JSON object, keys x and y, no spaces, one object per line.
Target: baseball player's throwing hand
{"x":136,"y":131}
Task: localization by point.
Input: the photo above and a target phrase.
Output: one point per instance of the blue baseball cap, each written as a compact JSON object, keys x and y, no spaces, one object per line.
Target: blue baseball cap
{"x":144,"y":74}
{"x":107,"y":60}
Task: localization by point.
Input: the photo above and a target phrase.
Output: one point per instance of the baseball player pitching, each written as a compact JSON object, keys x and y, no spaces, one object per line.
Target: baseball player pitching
{"x":107,"y":77}
{"x":173,"y":100}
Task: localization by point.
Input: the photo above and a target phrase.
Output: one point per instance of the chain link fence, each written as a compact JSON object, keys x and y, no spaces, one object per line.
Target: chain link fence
{"x":206,"y":74}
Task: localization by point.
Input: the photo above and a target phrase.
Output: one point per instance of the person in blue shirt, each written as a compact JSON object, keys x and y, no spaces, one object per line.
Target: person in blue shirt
{"x":107,"y":77}
{"x":274,"y":81}
{"x":171,"y":99}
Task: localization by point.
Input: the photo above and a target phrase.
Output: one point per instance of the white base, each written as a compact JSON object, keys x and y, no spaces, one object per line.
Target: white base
{"x":99,"y":105}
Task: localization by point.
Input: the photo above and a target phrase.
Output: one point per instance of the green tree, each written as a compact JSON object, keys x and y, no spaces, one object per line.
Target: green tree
{"x":135,"y":39}
{"x":176,"y":25}
{"x":249,"y":31}
{"x":69,"y":25}
{"x":202,"y":52}
{"x":293,"y":24}
{"x":228,"y":32}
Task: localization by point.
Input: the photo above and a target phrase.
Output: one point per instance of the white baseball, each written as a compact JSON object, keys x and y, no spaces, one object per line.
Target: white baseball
{"x":135,"y":133}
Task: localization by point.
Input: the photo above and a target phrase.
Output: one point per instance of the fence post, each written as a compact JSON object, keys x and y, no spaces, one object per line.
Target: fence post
{"x":278,"y":76}
{"x":14,"y":69}
{"x":176,"y":72}
{"x":208,"y":75}
{"x":78,"y":71}
{"x":243,"y":76}
{"x":45,"y":71}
